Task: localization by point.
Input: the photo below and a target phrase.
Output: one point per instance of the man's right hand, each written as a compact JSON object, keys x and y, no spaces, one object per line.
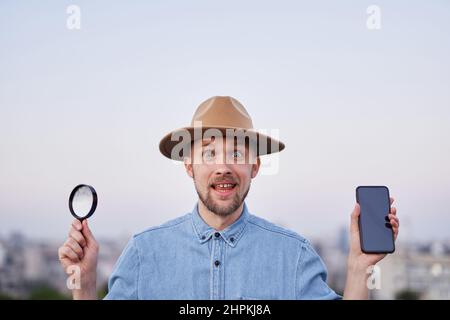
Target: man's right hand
{"x":81,"y":250}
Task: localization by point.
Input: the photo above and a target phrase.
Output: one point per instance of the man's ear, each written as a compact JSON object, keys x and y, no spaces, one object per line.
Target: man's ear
{"x":255,"y":167}
{"x":188,"y":167}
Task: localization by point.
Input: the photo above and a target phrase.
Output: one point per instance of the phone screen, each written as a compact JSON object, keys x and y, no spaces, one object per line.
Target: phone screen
{"x":375,"y":231}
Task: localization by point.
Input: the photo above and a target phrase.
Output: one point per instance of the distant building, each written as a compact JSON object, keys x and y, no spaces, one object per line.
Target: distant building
{"x":334,"y":252}
{"x":12,"y":266}
{"x":26,"y":264}
{"x":426,"y":273}
{"x":423,"y":268}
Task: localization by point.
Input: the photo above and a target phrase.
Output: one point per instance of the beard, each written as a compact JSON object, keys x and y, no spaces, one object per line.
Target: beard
{"x":221,"y":210}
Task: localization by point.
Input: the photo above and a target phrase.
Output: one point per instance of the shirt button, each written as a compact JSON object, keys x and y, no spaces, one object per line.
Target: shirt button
{"x":203,"y":237}
{"x":217,"y":263}
{"x":216,"y":234}
{"x":232,"y":239}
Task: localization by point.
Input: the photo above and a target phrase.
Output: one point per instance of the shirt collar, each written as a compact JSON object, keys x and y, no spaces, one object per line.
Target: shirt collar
{"x":230,"y":234}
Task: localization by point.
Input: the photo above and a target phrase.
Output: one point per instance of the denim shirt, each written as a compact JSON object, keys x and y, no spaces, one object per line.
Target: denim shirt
{"x":187,"y":259}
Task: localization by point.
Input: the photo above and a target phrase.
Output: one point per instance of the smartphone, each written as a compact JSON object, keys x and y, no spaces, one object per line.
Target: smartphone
{"x":375,"y":231}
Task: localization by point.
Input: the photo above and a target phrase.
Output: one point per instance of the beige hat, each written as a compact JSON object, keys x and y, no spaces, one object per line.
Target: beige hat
{"x":218,"y":113}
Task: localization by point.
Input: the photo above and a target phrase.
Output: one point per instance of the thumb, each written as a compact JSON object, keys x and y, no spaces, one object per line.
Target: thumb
{"x":354,"y":228}
{"x":87,"y":233}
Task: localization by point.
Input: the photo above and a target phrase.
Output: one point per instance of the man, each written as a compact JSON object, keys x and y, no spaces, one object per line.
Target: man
{"x":219,"y":250}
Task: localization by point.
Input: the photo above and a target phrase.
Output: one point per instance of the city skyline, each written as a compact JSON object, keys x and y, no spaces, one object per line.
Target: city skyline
{"x":28,"y":269}
{"x":354,"y":107}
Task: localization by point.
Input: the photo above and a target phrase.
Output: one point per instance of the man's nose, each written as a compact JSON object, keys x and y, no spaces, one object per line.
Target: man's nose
{"x":222,"y":169}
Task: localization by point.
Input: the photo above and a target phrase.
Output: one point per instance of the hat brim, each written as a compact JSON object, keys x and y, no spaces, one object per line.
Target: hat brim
{"x":166,"y":144}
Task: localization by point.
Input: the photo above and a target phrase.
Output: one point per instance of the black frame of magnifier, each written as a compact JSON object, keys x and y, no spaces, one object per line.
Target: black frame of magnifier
{"x":94,"y":202}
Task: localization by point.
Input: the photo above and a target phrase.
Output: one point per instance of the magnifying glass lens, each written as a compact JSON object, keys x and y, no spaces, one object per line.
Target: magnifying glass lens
{"x":82,"y":201}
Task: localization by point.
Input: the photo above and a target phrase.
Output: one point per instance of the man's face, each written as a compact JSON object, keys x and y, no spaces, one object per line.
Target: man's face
{"x":222,"y":173}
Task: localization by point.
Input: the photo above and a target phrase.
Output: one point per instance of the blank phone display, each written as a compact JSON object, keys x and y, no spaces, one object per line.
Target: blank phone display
{"x":375,"y":231}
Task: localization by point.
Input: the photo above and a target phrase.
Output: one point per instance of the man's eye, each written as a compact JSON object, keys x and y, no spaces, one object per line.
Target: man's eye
{"x":237,"y":154}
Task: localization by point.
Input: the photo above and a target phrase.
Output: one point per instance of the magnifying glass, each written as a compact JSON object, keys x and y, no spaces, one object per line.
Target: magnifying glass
{"x":83,"y":201}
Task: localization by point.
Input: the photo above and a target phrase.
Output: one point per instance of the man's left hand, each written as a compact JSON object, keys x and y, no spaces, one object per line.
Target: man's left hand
{"x":358,"y":260}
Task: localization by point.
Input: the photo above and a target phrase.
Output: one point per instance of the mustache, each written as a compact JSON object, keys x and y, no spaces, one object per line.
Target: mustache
{"x":224,"y":180}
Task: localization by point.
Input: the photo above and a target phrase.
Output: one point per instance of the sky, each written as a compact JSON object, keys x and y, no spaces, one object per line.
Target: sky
{"x":354,"y":107}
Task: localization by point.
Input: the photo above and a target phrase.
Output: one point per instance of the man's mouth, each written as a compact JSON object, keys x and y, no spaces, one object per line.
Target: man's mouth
{"x":224,"y":189}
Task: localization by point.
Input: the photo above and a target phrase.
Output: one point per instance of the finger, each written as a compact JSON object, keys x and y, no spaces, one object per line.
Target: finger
{"x":78,"y":237}
{"x":395,"y":230}
{"x":77,"y":224}
{"x":90,"y":239}
{"x":393,"y":210}
{"x":392,"y":216}
{"x":354,"y":219}
{"x":392,"y":200}
{"x":75,"y":247}
{"x":66,"y":252}
{"x":394,"y":223}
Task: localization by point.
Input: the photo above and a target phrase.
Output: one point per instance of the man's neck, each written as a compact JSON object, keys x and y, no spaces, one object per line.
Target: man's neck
{"x":217,"y":222}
